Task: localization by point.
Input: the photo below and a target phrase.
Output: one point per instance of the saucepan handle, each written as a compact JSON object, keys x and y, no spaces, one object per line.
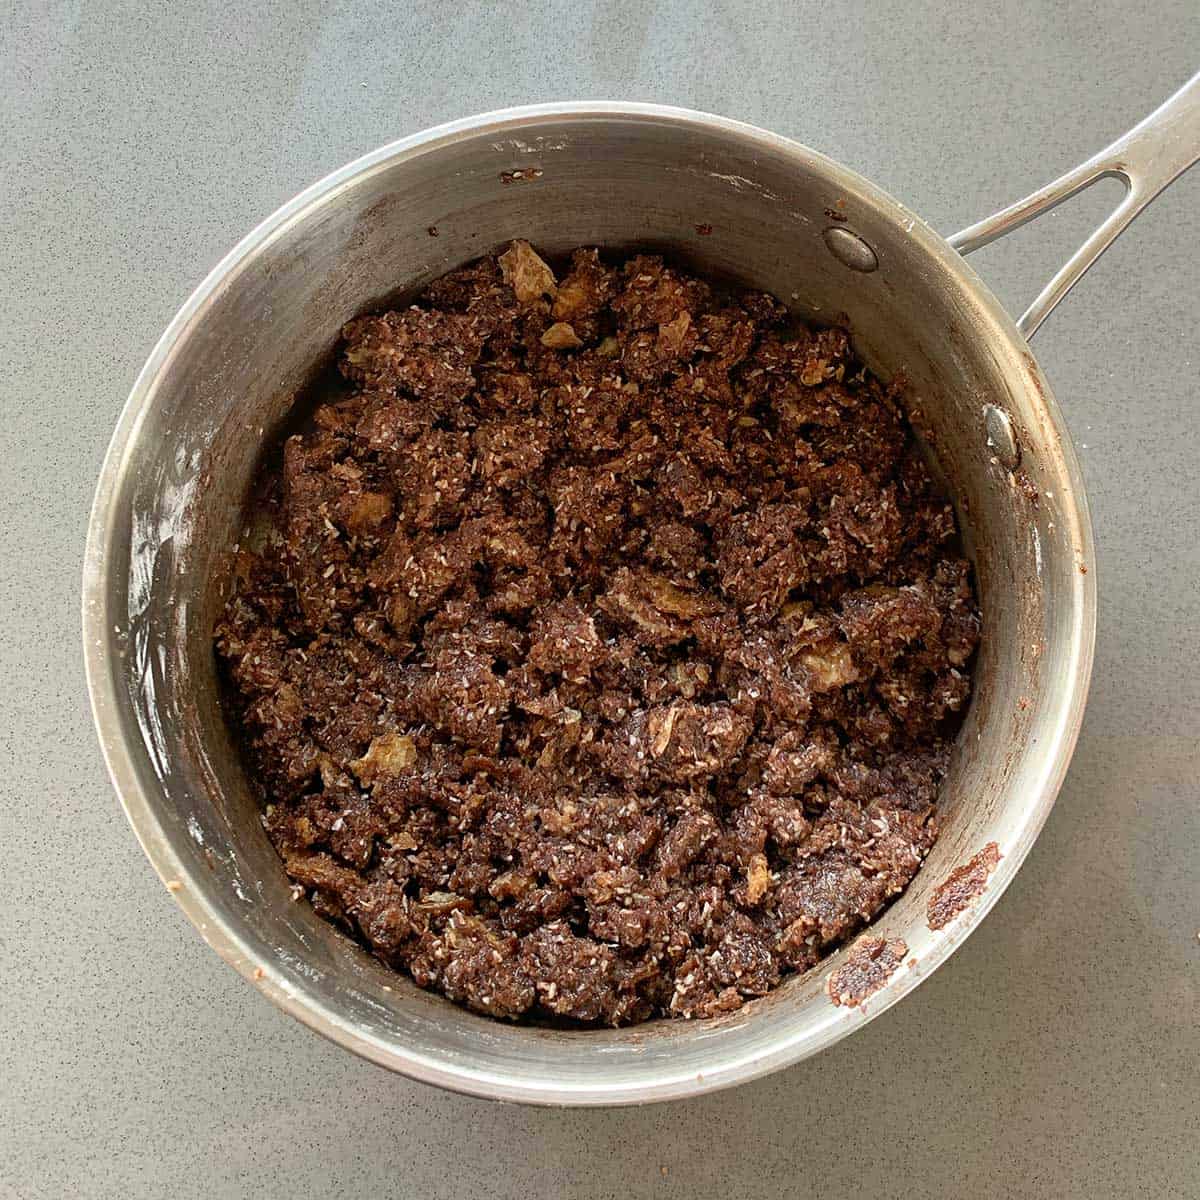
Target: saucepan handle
{"x":1151,"y":155}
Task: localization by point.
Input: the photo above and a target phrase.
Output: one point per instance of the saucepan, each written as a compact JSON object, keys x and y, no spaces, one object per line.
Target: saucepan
{"x":724,"y":197}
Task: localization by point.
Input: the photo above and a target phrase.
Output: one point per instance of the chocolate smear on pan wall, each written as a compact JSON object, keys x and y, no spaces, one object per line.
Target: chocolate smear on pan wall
{"x":959,"y":889}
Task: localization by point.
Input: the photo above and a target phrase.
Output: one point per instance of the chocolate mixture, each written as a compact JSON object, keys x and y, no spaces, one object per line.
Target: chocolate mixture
{"x":607,"y":649}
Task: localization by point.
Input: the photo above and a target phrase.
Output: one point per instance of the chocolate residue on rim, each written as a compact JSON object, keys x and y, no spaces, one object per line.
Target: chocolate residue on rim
{"x":961,"y":886}
{"x":526,"y":175}
{"x":872,"y":962}
{"x":1026,"y":486}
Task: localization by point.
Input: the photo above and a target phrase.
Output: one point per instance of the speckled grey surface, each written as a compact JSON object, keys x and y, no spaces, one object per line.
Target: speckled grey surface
{"x":1056,"y":1054}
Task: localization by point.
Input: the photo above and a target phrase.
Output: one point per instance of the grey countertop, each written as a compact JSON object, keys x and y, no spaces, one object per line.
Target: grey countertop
{"x":1056,"y":1054}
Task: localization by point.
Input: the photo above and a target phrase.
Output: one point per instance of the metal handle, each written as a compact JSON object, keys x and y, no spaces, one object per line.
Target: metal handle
{"x":1153,"y":154}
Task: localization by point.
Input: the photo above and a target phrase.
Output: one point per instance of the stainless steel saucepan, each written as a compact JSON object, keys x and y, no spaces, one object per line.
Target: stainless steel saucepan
{"x":783,"y":218}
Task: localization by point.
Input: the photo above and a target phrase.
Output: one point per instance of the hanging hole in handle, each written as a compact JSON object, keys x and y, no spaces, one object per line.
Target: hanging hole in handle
{"x":1017,"y":266}
{"x":1146,"y":159}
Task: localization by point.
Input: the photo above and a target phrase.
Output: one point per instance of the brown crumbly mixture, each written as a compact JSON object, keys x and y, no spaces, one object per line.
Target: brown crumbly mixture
{"x":606,"y":654}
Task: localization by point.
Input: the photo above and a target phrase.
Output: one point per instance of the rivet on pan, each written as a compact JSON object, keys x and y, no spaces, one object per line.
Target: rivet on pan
{"x":1001,"y":441}
{"x":849,"y":249}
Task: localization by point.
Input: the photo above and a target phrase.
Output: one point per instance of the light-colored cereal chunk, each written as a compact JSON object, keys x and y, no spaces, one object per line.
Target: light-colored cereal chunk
{"x":830,"y":667}
{"x":662,"y":724}
{"x":526,"y":272}
{"x":561,"y":336}
{"x":438,"y":904}
{"x":668,"y":598}
{"x":388,"y":754}
{"x":758,"y":879}
{"x":689,"y":677}
{"x":572,"y":299}
{"x":673,"y":332}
